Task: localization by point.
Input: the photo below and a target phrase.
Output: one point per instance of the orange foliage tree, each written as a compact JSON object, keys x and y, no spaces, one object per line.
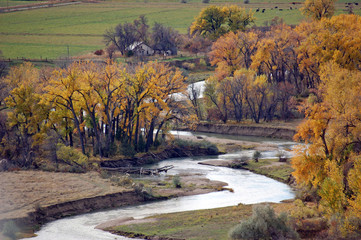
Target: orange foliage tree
{"x":337,"y":39}
{"x":330,"y":161}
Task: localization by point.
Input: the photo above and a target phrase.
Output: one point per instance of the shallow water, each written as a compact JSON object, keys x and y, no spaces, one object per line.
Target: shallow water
{"x":248,"y":188}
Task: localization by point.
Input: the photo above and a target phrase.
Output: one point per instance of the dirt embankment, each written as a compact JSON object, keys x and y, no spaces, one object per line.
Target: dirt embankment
{"x":34,"y":197}
{"x":46,"y":214}
{"x":258,"y":131}
{"x":150,"y":157}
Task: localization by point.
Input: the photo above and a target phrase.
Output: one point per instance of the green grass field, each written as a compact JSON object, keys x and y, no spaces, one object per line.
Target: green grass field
{"x":47,"y":32}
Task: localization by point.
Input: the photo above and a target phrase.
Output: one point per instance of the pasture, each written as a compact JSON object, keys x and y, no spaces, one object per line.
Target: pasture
{"x":77,"y":29}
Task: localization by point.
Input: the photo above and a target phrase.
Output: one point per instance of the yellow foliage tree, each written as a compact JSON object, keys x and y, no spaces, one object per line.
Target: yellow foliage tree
{"x":318,"y":9}
{"x":27,"y":113}
{"x":330,"y":160}
{"x":233,"y":52}
{"x":214,"y":21}
{"x":335,"y":39}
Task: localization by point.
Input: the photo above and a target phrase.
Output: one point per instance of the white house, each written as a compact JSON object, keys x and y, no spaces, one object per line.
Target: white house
{"x":140,"y":49}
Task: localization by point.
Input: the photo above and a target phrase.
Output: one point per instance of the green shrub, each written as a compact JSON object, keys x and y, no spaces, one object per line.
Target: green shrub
{"x":257,"y":155}
{"x":139,"y":188}
{"x":238,"y":164}
{"x":301,"y":211}
{"x":264,"y":224}
{"x":127,"y":150}
{"x":107,"y":152}
{"x":10,"y":229}
{"x":71,"y":156}
{"x":177,"y":181}
{"x":122,"y":180}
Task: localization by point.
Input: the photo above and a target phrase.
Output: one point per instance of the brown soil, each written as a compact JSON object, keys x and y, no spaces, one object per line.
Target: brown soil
{"x":22,"y":191}
{"x":191,"y":185}
{"x":56,"y":195}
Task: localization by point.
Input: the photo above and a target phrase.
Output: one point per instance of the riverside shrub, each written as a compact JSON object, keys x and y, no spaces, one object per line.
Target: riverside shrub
{"x":71,"y":155}
{"x":264,"y":224}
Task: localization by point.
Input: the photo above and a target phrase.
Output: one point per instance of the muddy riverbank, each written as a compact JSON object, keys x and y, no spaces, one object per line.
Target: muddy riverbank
{"x":284,"y":131}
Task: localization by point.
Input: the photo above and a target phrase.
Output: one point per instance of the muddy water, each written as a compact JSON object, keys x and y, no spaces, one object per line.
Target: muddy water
{"x":248,"y":188}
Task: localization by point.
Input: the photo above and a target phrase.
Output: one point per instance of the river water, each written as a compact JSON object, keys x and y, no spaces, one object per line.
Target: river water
{"x":248,"y":188}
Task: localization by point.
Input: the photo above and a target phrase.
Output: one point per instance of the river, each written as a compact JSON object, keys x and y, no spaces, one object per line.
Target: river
{"x":248,"y":188}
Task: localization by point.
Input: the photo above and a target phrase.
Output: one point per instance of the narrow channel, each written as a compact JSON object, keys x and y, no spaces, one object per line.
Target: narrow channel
{"x":248,"y":188}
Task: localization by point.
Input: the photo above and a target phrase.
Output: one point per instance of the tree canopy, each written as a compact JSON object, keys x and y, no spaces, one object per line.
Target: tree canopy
{"x":100,"y":105}
{"x":214,"y":21}
{"x":318,"y":9}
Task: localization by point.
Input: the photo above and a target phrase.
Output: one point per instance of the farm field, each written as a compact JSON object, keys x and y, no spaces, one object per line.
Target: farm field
{"x":77,"y":29}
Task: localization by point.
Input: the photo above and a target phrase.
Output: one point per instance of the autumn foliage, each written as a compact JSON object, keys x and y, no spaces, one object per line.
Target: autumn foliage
{"x":214,"y":21}
{"x":262,"y":74}
{"x":100,"y":105}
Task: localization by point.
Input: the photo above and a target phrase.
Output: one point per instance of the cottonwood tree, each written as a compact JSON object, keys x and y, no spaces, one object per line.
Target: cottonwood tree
{"x":331,"y":160}
{"x":215,"y":21}
{"x":318,"y":9}
{"x":276,"y":56}
{"x":63,"y":94}
{"x":26,"y":116}
{"x":233,"y":51}
{"x":336,"y":39}
{"x":194,"y":95}
{"x":215,"y":100}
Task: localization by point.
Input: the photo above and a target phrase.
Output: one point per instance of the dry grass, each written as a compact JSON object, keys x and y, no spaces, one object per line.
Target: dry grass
{"x":21,"y":191}
{"x":201,"y":224}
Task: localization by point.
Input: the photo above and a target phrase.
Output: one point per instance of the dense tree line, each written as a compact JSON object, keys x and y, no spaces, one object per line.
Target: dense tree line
{"x":99,"y":105}
{"x":289,"y":59}
{"x":261,"y":71}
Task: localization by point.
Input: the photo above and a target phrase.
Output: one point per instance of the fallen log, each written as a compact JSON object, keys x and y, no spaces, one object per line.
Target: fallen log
{"x":140,"y":171}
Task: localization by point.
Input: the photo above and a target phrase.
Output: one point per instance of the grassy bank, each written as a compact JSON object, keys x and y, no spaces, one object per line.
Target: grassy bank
{"x":272,"y":168}
{"x":202,"y":224}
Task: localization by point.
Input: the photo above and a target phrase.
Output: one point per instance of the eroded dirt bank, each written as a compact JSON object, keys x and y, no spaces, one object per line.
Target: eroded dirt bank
{"x":285,"y":132}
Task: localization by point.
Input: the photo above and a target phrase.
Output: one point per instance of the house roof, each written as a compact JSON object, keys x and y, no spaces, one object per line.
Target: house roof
{"x":135,"y":45}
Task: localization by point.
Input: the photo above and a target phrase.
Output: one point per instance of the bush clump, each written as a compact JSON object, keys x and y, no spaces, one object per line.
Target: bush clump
{"x":127,"y":150}
{"x":264,"y":224}
{"x":71,"y":156}
{"x":257,"y":155}
{"x":177,"y":182}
